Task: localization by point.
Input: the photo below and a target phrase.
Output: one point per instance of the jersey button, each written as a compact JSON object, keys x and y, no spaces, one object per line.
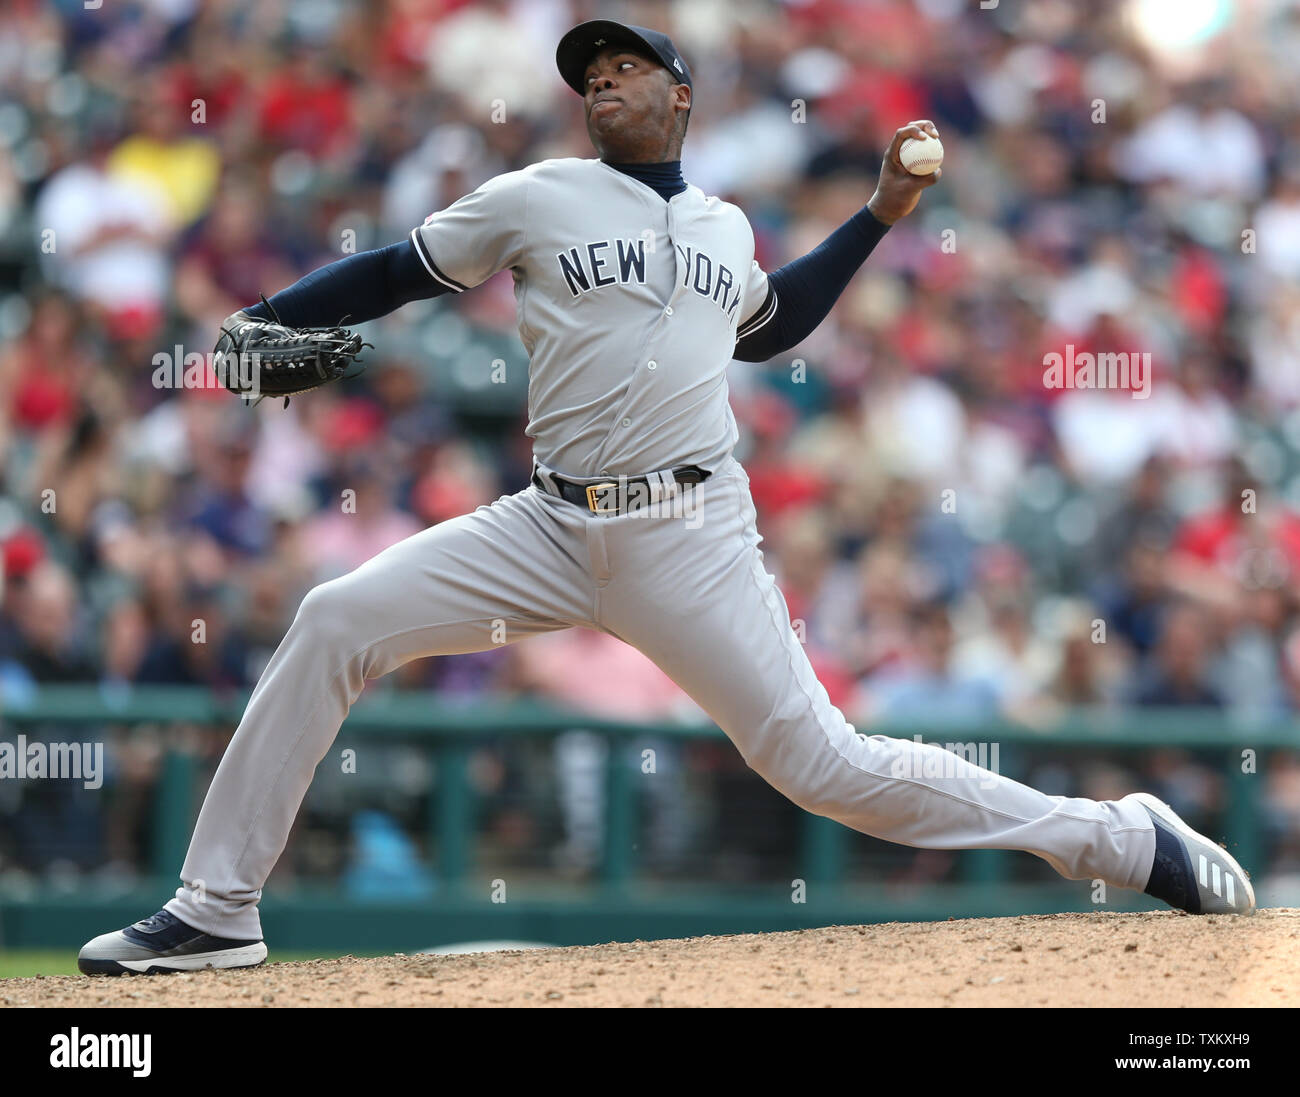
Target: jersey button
{"x":652,"y":365}
{"x":668,"y":311}
{"x":627,"y":422}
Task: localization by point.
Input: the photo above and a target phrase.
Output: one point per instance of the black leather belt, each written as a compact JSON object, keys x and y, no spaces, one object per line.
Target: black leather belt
{"x":618,"y":494}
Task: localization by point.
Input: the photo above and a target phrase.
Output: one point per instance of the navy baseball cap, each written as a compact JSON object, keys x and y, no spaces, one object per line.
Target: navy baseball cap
{"x":580,"y":45}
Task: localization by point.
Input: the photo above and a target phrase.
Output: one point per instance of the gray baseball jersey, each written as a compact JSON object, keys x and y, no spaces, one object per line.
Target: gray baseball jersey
{"x":628,"y":306}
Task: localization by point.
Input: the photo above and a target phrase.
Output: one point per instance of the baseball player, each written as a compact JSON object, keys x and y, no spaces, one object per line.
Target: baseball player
{"x":634,"y":291}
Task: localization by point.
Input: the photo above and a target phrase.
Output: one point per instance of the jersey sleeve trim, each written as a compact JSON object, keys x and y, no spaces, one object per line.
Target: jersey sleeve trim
{"x":431,"y":266}
{"x":762,"y":317}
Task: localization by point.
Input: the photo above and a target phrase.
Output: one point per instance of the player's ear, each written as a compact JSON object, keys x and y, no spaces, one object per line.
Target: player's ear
{"x":683,"y":93}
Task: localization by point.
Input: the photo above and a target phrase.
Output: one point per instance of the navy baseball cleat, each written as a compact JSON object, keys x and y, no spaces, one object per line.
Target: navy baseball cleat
{"x":1191,"y":872}
{"x":163,"y":944}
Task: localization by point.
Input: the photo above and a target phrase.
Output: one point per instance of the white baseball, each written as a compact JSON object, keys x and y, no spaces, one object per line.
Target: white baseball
{"x":921,"y":155}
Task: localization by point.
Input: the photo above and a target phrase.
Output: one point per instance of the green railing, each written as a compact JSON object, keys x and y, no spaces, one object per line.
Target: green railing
{"x":451,"y":732}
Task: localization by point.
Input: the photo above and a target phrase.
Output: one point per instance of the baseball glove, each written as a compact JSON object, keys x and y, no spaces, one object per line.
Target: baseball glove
{"x":260,"y":358}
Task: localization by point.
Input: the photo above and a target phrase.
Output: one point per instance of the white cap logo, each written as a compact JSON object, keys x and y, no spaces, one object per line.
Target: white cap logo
{"x":677,"y":65}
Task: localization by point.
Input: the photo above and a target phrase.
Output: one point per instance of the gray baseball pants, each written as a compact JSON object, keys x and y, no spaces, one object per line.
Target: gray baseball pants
{"x":685,"y":585}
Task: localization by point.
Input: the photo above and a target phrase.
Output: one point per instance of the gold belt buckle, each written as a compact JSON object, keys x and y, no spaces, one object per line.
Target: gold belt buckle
{"x":592,"y":489}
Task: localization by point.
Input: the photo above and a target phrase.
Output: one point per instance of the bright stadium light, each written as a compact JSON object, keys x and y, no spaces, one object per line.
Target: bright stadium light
{"x":1172,"y":26}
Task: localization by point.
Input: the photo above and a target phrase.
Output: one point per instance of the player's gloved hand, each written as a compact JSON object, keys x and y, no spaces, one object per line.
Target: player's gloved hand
{"x":899,"y":190}
{"x":259,"y":358}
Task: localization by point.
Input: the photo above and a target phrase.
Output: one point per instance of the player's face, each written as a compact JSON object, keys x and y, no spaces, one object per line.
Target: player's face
{"x":632,"y":104}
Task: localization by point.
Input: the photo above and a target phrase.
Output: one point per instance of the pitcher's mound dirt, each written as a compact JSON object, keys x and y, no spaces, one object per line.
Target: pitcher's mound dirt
{"x":1098,"y":959}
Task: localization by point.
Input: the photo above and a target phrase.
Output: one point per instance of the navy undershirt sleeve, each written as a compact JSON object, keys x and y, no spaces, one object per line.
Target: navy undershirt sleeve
{"x":805,"y":289}
{"x":361,"y":287}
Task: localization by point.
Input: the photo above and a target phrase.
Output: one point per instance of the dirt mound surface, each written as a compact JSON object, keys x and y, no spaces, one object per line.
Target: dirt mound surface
{"x":1097,"y":959}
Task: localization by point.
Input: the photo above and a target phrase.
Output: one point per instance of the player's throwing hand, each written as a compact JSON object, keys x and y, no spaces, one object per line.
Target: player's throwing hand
{"x":899,"y":190}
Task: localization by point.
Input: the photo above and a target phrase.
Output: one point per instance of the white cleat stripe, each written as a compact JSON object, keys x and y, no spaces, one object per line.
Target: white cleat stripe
{"x":1216,"y":872}
{"x":1205,"y":865}
{"x":1231,"y":889}
{"x":247,"y":956}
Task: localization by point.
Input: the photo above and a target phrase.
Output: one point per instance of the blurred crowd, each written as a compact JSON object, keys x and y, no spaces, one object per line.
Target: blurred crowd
{"x":956,"y":540}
